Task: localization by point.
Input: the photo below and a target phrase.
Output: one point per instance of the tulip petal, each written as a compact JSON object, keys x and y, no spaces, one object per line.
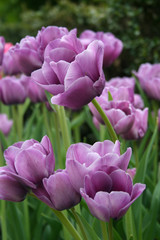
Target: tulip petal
{"x":11,"y":190}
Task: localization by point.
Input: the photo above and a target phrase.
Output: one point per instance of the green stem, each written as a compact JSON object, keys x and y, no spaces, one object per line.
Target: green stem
{"x":26,"y":219}
{"x":3,"y":205}
{"x":80,"y":224}
{"x":63,"y":126}
{"x":129,"y":225}
{"x":104,"y":230}
{"x":3,"y":220}
{"x":111,"y":131}
{"x":110,"y":233}
{"x":135,"y":151}
{"x":67,"y":224}
{"x":46,"y":121}
{"x":58,"y":141}
{"x":20,"y":121}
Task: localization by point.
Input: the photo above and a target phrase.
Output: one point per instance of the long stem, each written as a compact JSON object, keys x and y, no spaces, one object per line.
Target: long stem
{"x":3,"y":220}
{"x":63,"y":126}
{"x":111,"y":131}
{"x":58,"y":141}
{"x":135,"y":153}
{"x":104,"y":230}
{"x":67,"y":224}
{"x":26,"y":219}
{"x":79,"y":224}
{"x":3,"y":205}
{"x":110,"y":233}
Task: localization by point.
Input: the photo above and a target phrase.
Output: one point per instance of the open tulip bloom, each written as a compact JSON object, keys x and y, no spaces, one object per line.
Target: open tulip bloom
{"x":58,"y":161}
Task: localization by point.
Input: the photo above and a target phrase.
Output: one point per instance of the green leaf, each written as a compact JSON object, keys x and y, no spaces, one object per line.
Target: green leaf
{"x":141,"y":171}
{"x":149,"y":233}
{"x":110,"y":98}
{"x":89,"y":231}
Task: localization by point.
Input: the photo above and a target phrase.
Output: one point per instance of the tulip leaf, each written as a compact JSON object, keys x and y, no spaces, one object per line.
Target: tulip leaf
{"x":49,"y":96}
{"x":149,"y":233}
{"x":141,"y":171}
{"x":89,"y":231}
{"x":110,"y":98}
{"x":3,"y":140}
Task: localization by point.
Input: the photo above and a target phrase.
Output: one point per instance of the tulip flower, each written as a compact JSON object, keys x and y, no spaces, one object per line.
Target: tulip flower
{"x":71,"y":73}
{"x":83,"y":159}
{"x":58,"y":192}
{"x":12,"y":90}
{"x":48,"y":34}
{"x":112,"y":45}
{"x":28,"y":163}
{"x":139,"y":127}
{"x":149,"y":78}
{"x":109,"y":195}
{"x":119,"y":110}
{"x":11,"y":189}
{"x":34,"y":92}
{"x":5,"y":124}
{"x":117,"y":82}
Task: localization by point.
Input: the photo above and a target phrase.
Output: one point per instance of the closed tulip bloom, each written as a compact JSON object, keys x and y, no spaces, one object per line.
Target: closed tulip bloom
{"x":35,"y":92}
{"x":71,"y":73}
{"x":119,"y":110}
{"x":26,"y":55}
{"x":84,"y":79}
{"x":112,"y":45}
{"x":83,"y":159}
{"x":9,"y":64}
{"x":149,"y":77}
{"x":48,"y":34}
{"x":12,"y":90}
{"x":109,"y":195}
{"x":2,"y":44}
{"x":58,"y":192}
{"x":11,"y":189}
{"x":29,"y":162}
{"x":127,"y":82}
{"x":5,"y":124}
{"x":58,"y":54}
{"x":140,"y":125}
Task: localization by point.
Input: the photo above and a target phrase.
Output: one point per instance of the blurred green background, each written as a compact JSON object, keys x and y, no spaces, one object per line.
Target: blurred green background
{"x":135,"y":22}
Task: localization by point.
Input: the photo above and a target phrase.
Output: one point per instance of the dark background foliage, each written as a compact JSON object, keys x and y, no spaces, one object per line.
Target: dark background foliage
{"x":135,"y":22}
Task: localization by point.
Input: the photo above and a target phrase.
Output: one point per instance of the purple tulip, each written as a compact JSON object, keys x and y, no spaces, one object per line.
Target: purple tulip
{"x":58,"y":54}
{"x":74,"y":75}
{"x":139,"y":127}
{"x":29,"y":162}
{"x":9,"y":64}
{"x":11,"y":189}
{"x":58,"y":192}
{"x":119,"y":111}
{"x":5,"y":124}
{"x":83,"y":159}
{"x":34,"y":92}
{"x":127,"y":82}
{"x":109,"y":195}
{"x":12,"y":90}
{"x":26,"y":55}
{"x":48,"y":34}
{"x":2,"y":45}
{"x":149,"y":77}
{"x":112,"y":45}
